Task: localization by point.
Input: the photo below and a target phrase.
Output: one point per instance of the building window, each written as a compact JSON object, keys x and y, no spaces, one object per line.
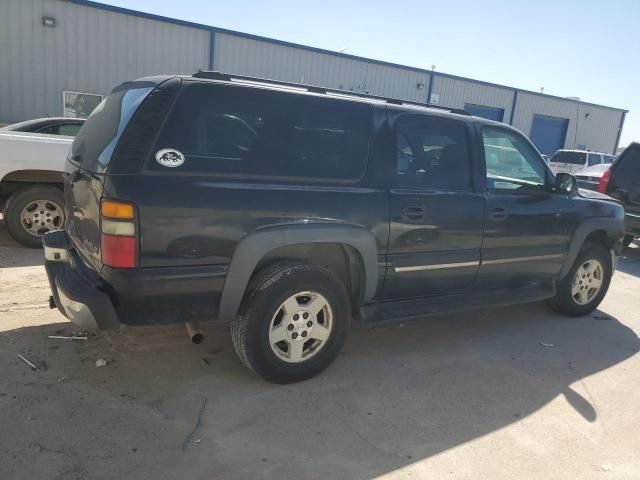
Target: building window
{"x":490,"y":113}
{"x":79,"y":105}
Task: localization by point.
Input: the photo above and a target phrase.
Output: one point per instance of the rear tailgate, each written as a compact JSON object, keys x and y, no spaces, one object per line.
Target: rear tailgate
{"x":87,"y":165}
{"x":625,"y":179}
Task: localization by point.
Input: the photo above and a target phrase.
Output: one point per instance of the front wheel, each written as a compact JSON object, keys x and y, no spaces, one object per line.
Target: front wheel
{"x":32,"y":212}
{"x":293,"y":322}
{"x":586,"y":284}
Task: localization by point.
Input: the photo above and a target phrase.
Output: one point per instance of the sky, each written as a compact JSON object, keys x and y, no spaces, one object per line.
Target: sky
{"x":588,"y":49}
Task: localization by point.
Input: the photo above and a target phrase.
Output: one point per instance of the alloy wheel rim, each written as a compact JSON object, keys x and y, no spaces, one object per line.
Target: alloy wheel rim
{"x":587,"y":282}
{"x":41,"y":216}
{"x":301,"y":327}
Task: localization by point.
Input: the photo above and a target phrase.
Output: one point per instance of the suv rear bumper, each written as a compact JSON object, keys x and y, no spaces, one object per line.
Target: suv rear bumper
{"x":76,"y":289}
{"x":139,"y":296}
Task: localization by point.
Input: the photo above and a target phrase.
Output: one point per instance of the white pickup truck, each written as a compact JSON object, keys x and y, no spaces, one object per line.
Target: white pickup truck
{"x":31,"y":166}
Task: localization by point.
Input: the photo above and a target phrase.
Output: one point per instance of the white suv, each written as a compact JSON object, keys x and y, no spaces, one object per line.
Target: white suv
{"x":572,"y":161}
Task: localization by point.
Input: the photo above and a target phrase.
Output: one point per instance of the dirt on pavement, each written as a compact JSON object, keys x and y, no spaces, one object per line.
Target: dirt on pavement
{"x":516,"y":392}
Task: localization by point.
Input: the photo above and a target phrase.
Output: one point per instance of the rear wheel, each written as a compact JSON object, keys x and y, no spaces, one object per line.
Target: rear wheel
{"x":32,"y":212}
{"x":293,"y":322}
{"x":586,"y":284}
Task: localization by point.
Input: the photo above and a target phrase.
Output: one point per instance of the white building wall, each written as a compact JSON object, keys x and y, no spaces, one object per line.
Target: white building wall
{"x":246,"y":56}
{"x":93,"y":49}
{"x":597,"y":127}
{"x":455,"y":93}
{"x":89,"y":50}
{"x":530,"y":104}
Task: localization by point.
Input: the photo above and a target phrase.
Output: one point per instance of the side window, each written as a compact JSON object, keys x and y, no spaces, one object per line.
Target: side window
{"x":511,"y":162}
{"x":609,"y":158}
{"x":432,"y":152}
{"x":68,"y":129}
{"x":248,"y":131}
{"x":594,"y":159}
{"x":48,"y":130}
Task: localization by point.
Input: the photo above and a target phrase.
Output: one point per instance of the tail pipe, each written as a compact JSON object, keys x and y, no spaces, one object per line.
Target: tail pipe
{"x":195,"y":332}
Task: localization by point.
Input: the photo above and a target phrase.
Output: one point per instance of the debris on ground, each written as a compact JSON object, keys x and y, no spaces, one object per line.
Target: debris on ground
{"x":28,"y":362}
{"x":101,"y":362}
{"x":197,"y":426}
{"x":69,"y":337}
{"x":547,"y":344}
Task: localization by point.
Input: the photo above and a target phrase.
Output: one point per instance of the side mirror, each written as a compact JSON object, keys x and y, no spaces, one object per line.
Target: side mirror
{"x":565,"y":183}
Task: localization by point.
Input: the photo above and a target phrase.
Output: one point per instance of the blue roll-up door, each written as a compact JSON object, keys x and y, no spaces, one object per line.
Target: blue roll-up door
{"x":549,"y":133}
{"x":490,"y":113}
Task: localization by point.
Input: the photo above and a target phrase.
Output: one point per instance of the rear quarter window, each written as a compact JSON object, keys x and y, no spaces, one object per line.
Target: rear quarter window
{"x":574,"y":158}
{"x":95,"y":141}
{"x":251,"y":132}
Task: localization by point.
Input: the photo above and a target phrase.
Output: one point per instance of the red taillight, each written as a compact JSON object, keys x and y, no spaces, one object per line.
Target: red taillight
{"x":118,"y":252}
{"x":604,"y":181}
{"x":118,"y":240}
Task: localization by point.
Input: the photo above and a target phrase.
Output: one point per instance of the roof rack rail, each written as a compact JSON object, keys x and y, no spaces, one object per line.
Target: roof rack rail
{"x":228,"y":77}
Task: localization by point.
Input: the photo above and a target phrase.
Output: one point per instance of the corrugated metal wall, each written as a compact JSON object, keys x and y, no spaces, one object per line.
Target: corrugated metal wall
{"x":455,"y":93}
{"x":89,"y":50}
{"x":530,"y":104}
{"x":94,"y":49}
{"x":597,"y":127}
{"x":245,"y":56}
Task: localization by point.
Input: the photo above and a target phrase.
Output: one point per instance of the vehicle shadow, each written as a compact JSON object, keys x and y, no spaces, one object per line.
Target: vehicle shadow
{"x":12,"y":254}
{"x":396,"y":395}
{"x":629,"y":260}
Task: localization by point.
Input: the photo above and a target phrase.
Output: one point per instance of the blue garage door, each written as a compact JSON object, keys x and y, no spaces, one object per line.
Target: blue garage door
{"x":483,"y":111}
{"x":548,"y":133}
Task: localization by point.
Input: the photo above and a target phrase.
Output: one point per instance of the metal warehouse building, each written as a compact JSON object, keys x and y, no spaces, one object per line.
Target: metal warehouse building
{"x":59,"y":57}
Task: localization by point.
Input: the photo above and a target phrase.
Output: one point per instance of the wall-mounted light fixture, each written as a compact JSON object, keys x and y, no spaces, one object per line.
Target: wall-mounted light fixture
{"x":49,"y":22}
{"x":587,"y":115}
{"x":420,"y":86}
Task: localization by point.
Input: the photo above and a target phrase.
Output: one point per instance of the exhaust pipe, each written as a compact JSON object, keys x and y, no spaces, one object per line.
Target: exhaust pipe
{"x":195,"y":332}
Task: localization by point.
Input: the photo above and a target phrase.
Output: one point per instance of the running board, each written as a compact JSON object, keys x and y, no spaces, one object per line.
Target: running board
{"x":400,"y":310}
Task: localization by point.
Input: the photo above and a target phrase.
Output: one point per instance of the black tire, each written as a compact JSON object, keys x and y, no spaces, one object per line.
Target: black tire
{"x":626,"y":241}
{"x":267,"y":291}
{"x":21,"y":199}
{"x":564,"y":301}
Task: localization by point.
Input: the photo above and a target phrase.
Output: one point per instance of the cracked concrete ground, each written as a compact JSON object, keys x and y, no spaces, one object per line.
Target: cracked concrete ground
{"x":516,"y":392}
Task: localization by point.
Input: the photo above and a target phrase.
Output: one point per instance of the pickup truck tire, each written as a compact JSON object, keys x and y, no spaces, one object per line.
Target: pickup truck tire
{"x":292,"y":323}
{"x":586,"y":284}
{"x":20,"y":211}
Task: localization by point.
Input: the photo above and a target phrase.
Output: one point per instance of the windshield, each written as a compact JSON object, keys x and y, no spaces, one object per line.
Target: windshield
{"x":575,"y":158}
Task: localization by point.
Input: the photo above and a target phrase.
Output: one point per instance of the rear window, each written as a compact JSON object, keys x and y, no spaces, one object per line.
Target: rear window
{"x":94,"y":143}
{"x":575,"y":158}
{"x":595,"y":159}
{"x":232,"y":130}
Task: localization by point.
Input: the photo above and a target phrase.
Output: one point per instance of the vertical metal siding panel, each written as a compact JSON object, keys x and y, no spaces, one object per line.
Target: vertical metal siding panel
{"x":599,"y":129}
{"x":530,"y":104}
{"x":89,"y":50}
{"x":5,"y":40}
{"x":455,"y":93}
{"x":245,"y":56}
